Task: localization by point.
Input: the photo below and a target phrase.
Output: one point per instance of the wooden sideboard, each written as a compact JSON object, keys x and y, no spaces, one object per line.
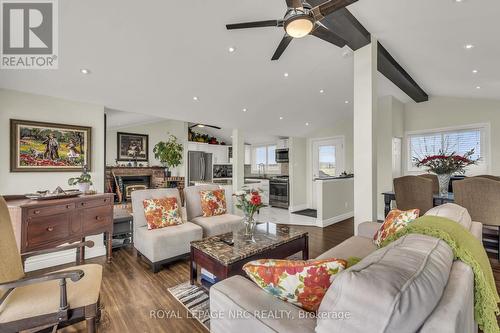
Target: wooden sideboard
{"x":40,"y":225}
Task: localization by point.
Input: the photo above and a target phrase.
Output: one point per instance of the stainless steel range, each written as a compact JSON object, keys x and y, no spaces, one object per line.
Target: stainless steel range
{"x":279,"y":192}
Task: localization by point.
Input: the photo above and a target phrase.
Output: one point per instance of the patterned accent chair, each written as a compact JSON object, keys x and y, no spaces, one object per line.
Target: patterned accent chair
{"x":44,"y":301}
{"x":161,"y":246}
{"x":414,"y":192}
{"x":214,"y":225}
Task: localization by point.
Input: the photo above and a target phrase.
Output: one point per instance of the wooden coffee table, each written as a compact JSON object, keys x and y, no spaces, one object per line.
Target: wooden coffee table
{"x":271,"y":241}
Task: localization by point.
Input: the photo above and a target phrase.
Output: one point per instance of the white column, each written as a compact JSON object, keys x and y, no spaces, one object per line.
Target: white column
{"x":365,"y":136}
{"x":238,"y":160}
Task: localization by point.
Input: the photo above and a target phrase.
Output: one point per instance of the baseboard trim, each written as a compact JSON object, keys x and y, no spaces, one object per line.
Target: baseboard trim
{"x":297,"y":208}
{"x":60,"y":258}
{"x":335,"y":219}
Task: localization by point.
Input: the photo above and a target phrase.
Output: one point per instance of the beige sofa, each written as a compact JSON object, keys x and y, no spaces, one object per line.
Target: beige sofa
{"x":214,"y":225}
{"x":412,"y":285}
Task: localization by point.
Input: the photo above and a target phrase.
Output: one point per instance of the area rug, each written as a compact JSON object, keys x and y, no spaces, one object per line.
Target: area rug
{"x":195,"y":299}
{"x":307,"y":212}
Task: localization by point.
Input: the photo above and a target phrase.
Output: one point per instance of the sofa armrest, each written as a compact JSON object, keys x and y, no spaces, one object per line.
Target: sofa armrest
{"x":368,"y":229}
{"x":241,"y":306}
{"x":476,"y":229}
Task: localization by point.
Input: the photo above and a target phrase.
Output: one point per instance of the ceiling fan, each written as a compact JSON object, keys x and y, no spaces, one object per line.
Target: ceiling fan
{"x":204,"y":125}
{"x":302,"y":18}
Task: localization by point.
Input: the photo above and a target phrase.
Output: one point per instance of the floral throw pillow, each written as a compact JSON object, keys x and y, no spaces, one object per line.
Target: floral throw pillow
{"x":213,"y":202}
{"x":162,"y":212}
{"x":395,"y":221}
{"x":302,"y":283}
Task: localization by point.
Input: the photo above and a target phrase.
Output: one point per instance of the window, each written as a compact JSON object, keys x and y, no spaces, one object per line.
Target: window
{"x":264,"y":157}
{"x":326,"y":161}
{"x":460,"y":141}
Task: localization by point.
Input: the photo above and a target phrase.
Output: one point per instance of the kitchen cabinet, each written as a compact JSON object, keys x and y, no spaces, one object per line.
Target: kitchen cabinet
{"x":220,"y":154}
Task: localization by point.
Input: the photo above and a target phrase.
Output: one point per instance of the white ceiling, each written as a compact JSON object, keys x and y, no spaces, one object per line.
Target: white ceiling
{"x":152,"y":57}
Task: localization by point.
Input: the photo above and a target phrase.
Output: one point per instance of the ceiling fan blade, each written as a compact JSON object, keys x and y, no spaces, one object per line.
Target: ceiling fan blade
{"x":294,"y":3}
{"x":316,"y":3}
{"x":327,"y":35}
{"x":257,"y":24}
{"x":204,"y":125}
{"x":333,"y":5}
{"x":281,"y":48}
{"x":212,"y":126}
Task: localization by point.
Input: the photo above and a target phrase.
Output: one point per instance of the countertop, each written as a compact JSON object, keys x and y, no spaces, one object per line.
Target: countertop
{"x":334,"y":178}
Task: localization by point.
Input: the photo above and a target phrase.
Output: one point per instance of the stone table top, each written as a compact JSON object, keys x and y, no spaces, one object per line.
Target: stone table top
{"x":267,"y":236}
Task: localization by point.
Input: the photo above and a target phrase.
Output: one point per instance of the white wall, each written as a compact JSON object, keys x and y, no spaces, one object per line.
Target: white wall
{"x":23,"y":106}
{"x":335,"y":201}
{"x":442,"y":112}
{"x":158,"y":131}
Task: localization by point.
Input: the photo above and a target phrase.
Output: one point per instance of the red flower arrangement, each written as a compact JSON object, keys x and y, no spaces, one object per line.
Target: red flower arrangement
{"x":446,"y":163}
{"x":249,"y":201}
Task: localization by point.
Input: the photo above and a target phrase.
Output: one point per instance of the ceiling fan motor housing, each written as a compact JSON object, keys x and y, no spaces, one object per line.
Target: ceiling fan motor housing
{"x":299,"y":22}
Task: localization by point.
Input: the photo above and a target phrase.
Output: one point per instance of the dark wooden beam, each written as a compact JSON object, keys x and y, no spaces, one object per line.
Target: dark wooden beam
{"x":344,"y":24}
{"x":392,"y":70}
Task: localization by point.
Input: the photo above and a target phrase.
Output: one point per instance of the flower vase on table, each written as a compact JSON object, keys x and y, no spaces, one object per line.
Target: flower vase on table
{"x":249,"y":201}
{"x":444,"y":165}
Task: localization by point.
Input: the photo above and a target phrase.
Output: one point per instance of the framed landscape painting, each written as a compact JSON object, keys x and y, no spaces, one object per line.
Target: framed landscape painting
{"x":132,"y":147}
{"x":37,"y":146}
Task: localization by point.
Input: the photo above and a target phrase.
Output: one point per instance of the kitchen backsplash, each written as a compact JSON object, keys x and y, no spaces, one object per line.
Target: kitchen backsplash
{"x":283,"y":166}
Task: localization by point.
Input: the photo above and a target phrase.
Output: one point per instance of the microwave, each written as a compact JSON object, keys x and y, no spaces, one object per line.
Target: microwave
{"x":281,"y":155}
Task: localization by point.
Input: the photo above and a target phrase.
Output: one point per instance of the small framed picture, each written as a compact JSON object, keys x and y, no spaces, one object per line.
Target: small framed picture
{"x":37,"y":146}
{"x":132,"y":147}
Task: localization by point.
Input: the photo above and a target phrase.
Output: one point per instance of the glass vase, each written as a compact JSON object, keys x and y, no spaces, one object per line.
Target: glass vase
{"x":250,"y":224}
{"x":444,"y":183}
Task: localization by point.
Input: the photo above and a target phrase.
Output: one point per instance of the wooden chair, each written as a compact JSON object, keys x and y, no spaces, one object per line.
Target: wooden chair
{"x":414,"y":192}
{"x":481,"y":197}
{"x":44,"y":302}
{"x":435,"y":181}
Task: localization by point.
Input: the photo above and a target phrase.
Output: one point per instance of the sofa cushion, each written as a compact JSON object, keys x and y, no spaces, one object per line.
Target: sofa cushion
{"x":218,"y":225}
{"x":192,"y":198}
{"x":395,"y":221}
{"x":453,"y":212}
{"x":356,"y":246}
{"x":213,"y":202}
{"x":300,"y":282}
{"x":394,"y":289}
{"x":139,"y":196}
{"x":161,"y":213}
{"x":166,"y":243}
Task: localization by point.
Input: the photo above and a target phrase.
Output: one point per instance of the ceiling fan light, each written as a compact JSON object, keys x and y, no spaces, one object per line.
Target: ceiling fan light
{"x":299,"y":26}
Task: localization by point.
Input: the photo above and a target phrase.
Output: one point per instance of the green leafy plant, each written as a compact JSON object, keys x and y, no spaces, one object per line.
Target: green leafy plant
{"x":85,"y":177}
{"x":169,"y":153}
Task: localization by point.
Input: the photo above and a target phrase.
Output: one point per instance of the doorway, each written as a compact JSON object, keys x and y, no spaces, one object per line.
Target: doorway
{"x":327,"y":157}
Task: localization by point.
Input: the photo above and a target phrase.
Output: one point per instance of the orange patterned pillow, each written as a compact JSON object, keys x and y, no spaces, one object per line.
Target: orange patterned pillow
{"x":395,"y":221}
{"x":213,"y":202}
{"x":303,"y":283}
{"x":162,"y":212}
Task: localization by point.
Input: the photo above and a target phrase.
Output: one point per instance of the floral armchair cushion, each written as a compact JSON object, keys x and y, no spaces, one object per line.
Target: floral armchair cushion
{"x":213,"y":202}
{"x":302,"y":283}
{"x":395,"y":221}
{"x":162,"y":212}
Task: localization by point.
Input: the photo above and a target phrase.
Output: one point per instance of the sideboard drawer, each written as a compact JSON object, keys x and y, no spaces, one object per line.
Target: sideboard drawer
{"x":97,"y":218}
{"x":50,"y":210}
{"x":95,"y":202}
{"x":46,"y":229}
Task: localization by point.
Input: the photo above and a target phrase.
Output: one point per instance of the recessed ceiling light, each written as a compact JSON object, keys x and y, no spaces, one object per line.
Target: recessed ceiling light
{"x":281,"y":118}
{"x":475,"y":71}
{"x":307,"y":124}
{"x":321,"y":91}
{"x":195,"y":98}
{"x":468,"y":46}
{"x":346,"y":102}
{"x":458,"y":0}
{"x":478,"y":87}
{"x":85,"y":71}
{"x":285,"y":74}
{"x":231,"y":49}
{"x":244,"y":110}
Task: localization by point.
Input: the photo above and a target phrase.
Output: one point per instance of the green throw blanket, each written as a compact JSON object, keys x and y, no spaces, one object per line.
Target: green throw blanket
{"x":468,"y":249}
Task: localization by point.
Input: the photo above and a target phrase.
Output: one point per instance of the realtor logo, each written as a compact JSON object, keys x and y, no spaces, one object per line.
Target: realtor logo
{"x":29,"y":37}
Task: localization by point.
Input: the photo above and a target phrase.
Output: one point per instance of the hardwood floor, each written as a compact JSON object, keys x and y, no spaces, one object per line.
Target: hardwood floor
{"x":130,"y":291}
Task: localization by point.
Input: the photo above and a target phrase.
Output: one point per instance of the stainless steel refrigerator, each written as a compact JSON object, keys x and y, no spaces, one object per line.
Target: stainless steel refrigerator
{"x":199,"y":166}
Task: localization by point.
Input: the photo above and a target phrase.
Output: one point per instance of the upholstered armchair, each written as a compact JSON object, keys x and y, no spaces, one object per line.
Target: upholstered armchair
{"x":214,"y":225}
{"x":44,"y":301}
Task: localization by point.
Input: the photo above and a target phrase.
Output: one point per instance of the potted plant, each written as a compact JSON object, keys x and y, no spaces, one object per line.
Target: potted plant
{"x":169,"y":153}
{"x":444,"y":165}
{"x":83,"y":182}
